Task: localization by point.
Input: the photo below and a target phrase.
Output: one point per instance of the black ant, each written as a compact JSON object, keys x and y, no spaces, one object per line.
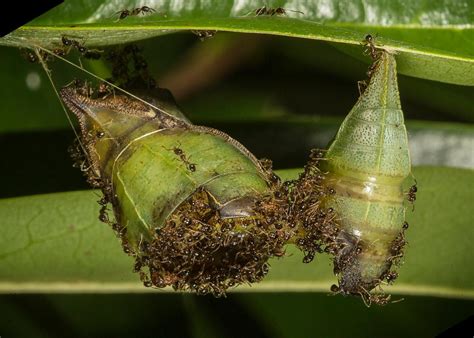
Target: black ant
{"x":362,"y":86}
{"x":179,"y":152}
{"x":29,"y":55}
{"x":370,"y":49}
{"x":412,"y":194}
{"x":104,"y":90}
{"x":203,"y":35}
{"x":59,"y":52}
{"x":66,"y":42}
{"x":103,"y":215}
{"x":36,"y":56}
{"x":369,"y":43}
{"x":273,"y":11}
{"x":69,"y":43}
{"x":391,"y":276}
{"x":134,"y":12}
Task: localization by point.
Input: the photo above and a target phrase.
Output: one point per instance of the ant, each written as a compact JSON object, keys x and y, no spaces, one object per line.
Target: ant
{"x":69,"y":43}
{"x":362,"y":86}
{"x":29,"y":55}
{"x":412,"y":194}
{"x":203,"y":35}
{"x":104,"y":90}
{"x":35,"y":56}
{"x":369,"y":43}
{"x":103,"y":215}
{"x":391,"y":276}
{"x":134,"y":12}
{"x":273,"y":11}
{"x":59,"y":52}
{"x":405,"y":225}
{"x":370,"y":49}
{"x":179,"y":152}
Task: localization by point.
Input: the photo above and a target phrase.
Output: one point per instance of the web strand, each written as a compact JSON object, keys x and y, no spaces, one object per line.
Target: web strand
{"x":98,"y":78}
{"x":48,"y":74}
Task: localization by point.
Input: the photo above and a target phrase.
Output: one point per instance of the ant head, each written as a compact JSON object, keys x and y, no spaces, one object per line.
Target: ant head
{"x":66,"y":41}
{"x":370,"y":38}
{"x":124,"y":14}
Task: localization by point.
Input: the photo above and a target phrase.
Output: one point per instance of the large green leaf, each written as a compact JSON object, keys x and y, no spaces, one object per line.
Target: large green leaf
{"x":55,"y":243}
{"x":431,"y":39}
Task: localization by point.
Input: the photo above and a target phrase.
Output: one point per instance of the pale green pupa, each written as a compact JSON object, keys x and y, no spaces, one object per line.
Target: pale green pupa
{"x":367,"y":165}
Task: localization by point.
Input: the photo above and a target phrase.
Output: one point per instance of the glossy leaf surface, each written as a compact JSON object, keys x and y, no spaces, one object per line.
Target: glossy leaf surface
{"x":431,"y":39}
{"x":55,"y":243}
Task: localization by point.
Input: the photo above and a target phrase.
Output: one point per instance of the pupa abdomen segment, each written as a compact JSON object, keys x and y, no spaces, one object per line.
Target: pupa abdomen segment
{"x":154,"y":174}
{"x":367,"y":164}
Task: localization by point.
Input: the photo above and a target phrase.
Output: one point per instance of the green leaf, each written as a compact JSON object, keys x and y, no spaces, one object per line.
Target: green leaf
{"x":55,"y":243}
{"x":431,"y":39}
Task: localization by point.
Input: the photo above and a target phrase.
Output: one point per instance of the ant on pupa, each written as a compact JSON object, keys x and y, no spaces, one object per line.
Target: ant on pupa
{"x":180,"y":153}
{"x":374,"y":53}
{"x":411,"y":194}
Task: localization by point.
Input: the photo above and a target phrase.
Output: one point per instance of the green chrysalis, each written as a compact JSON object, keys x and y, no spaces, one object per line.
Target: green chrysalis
{"x":366,"y":165}
{"x":195,"y":208}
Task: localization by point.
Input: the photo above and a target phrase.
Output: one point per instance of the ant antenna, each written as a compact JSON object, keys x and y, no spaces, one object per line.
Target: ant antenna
{"x":294,"y":11}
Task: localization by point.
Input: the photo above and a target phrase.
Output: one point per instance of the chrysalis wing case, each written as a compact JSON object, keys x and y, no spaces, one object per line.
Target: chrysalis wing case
{"x":185,"y":197}
{"x":367,"y":163}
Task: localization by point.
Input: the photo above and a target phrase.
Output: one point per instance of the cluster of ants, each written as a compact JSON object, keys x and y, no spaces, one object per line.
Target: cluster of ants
{"x":198,"y":250}
{"x":129,"y":67}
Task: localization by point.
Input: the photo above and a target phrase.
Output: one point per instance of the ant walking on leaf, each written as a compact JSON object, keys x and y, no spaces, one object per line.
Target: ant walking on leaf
{"x":69,"y":43}
{"x":269,"y":11}
{"x":134,"y":12}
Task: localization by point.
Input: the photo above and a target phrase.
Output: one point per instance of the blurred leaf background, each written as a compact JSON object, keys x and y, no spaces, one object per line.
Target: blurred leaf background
{"x":281,"y":91}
